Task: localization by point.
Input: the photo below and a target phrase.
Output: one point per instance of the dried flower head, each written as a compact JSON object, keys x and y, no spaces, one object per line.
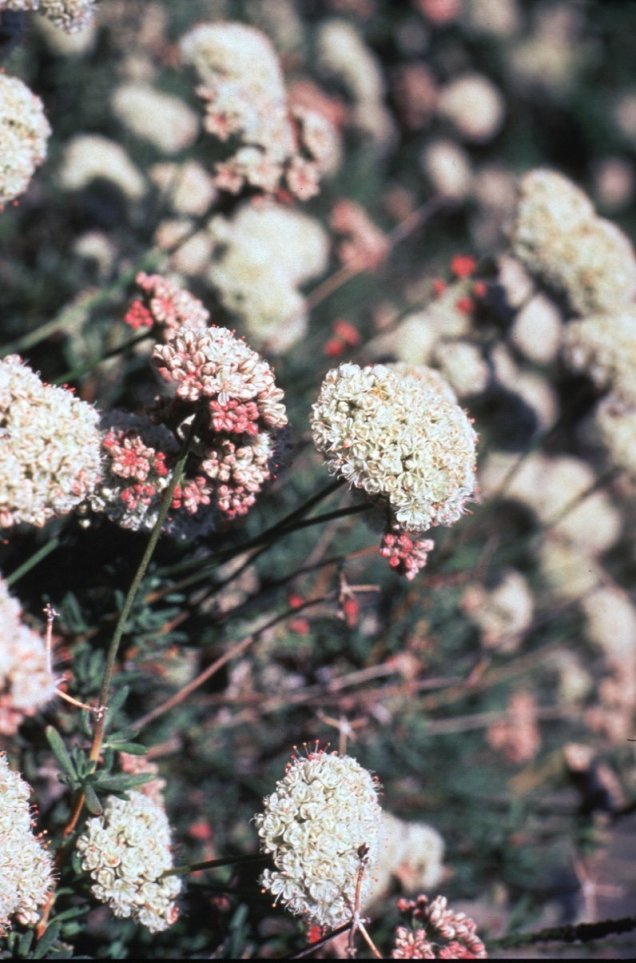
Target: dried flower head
{"x":26,"y":866}
{"x":320,"y":826}
{"x":436,"y":933}
{"x":406,"y":555}
{"x":24,"y":131}
{"x":49,"y":451}
{"x":26,"y":679}
{"x":69,"y":15}
{"x":126,"y":850}
{"x":558,"y":237}
{"x":165,"y":305}
{"x":391,"y":431}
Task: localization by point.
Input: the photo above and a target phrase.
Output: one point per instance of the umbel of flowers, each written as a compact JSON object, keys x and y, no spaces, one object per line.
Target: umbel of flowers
{"x":242,"y":84}
{"x":24,"y":131}
{"x":436,"y":933}
{"x":397,"y":433}
{"x":214,"y":377}
{"x":26,"y":679}
{"x":50,"y":450}
{"x":25,"y":864}
{"x":68,"y":15}
{"x":126,"y":850}
{"x":320,"y":826}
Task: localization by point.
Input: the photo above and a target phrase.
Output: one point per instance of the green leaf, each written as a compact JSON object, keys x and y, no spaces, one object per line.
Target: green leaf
{"x":122,"y":782}
{"x":93,"y":804}
{"x":46,"y":943}
{"x":60,"y":752}
{"x":133,"y":748}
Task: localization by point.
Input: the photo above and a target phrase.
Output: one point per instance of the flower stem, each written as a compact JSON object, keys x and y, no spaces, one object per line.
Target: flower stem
{"x":186,"y":868}
{"x":34,"y":560}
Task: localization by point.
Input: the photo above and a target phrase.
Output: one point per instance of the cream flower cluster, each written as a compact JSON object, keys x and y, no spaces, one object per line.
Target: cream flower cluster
{"x":244,"y":90}
{"x":559,"y":238}
{"x":614,"y":423}
{"x":49,"y":447}
{"x":126,"y":850}
{"x":26,"y":680}
{"x":26,"y":866}
{"x":604,"y":345}
{"x":161,"y":119}
{"x":412,"y":853}
{"x":473,"y":105}
{"x":90,"y":156}
{"x":24,"y":131}
{"x":69,"y":15}
{"x":317,"y":825}
{"x":263,"y":255}
{"x":503,"y":613}
{"x":391,"y":431}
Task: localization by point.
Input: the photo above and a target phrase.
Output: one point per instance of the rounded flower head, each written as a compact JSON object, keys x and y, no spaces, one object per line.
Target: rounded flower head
{"x":49,"y":447}
{"x":558,"y":237}
{"x":604,"y":346}
{"x":24,"y":131}
{"x":69,"y":15}
{"x":397,"y":433}
{"x":25,"y":865}
{"x":126,"y":850}
{"x":319,"y":825}
{"x":26,"y":680}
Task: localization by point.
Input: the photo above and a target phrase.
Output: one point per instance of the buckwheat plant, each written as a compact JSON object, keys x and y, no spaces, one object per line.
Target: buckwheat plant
{"x":126,"y":850}
{"x":24,"y":132}
{"x":69,"y":15}
{"x":50,"y":453}
{"x":436,"y":933}
{"x":318,"y":824}
{"x":26,"y":867}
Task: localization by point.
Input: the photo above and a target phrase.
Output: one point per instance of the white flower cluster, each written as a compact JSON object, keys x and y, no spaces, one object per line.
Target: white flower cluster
{"x":614,"y":424}
{"x":265,"y":254}
{"x":24,"y":131}
{"x":165,"y":121}
{"x":604,"y":345}
{"x":502,"y":613}
{"x":50,"y":451}
{"x":126,"y":850}
{"x":244,"y":90}
{"x":26,"y":866}
{"x":391,"y":431}
{"x":26,"y":680}
{"x":412,"y":853}
{"x":90,"y":156}
{"x":559,"y":238}
{"x":317,"y":824}
{"x":473,"y":105}
{"x":343,"y":55}
{"x":70,"y":15}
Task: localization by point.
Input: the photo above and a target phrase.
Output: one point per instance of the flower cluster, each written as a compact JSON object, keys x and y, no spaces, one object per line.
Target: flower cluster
{"x":26,"y":866}
{"x":614,"y":423}
{"x":69,"y":15}
{"x":474,"y":106}
{"x":320,"y":826}
{"x":363,"y":247}
{"x":436,"y":933}
{"x":395,"y":433}
{"x":24,"y":131}
{"x":243,"y":88}
{"x":559,"y":238}
{"x":50,"y":452}
{"x":163,"y":120}
{"x":126,"y":850}
{"x":604,"y":345}
{"x":411,"y":852}
{"x":503,"y":613}
{"x":89,"y":157}
{"x":516,"y":733}
{"x":262,"y":257}
{"x":405,"y":554}
{"x":26,"y":680}
{"x":165,"y":305}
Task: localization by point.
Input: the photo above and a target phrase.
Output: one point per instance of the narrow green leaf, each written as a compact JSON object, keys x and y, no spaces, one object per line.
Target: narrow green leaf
{"x":93,"y":804}
{"x":133,"y":748}
{"x":45,"y":944}
{"x":60,"y":752}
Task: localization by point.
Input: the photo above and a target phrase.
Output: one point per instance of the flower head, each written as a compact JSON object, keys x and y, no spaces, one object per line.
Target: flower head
{"x":24,"y":131}
{"x":319,"y":825}
{"x":26,"y":866}
{"x":69,"y":15}
{"x":436,"y":933}
{"x":397,"y":433}
{"x":126,"y":850}
{"x":49,"y":447}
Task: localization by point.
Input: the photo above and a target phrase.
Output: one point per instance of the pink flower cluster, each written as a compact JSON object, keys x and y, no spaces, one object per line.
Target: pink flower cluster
{"x":165,"y":305}
{"x":406,"y":554}
{"x":364,"y":247}
{"x":214,"y":376}
{"x":436,"y":933}
{"x":280,"y":146}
